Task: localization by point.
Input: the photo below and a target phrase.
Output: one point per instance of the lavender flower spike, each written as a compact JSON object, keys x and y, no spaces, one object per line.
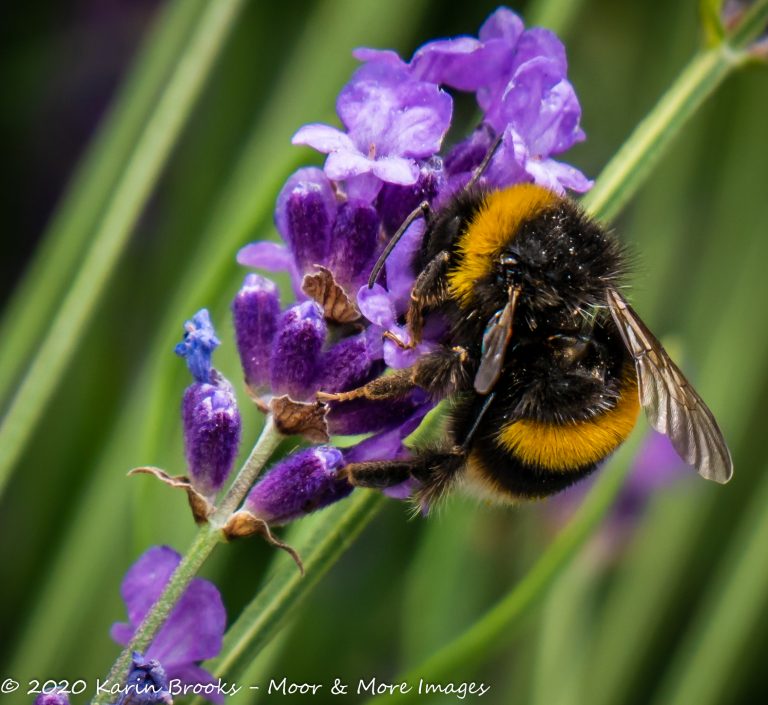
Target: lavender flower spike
{"x":255,"y":311}
{"x":300,"y":484}
{"x":194,"y":629}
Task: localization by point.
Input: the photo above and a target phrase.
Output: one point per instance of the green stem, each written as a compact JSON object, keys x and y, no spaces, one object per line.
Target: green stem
{"x":127,"y":203}
{"x":268,"y":441}
{"x":631,"y":165}
{"x":494,"y":627}
{"x":202,"y":546}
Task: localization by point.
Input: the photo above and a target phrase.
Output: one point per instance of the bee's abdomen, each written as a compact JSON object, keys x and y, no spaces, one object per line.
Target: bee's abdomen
{"x":525,"y":458}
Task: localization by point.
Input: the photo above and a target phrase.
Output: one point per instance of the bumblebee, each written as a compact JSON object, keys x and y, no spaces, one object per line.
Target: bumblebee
{"x":546,"y":363}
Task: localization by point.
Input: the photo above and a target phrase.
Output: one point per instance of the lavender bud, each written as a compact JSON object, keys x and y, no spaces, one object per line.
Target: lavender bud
{"x":296,"y":352}
{"x":298,"y":485}
{"x":352,"y":362}
{"x":306,"y":209}
{"x":198,"y":344}
{"x":353,"y":246}
{"x":256,"y":309}
{"x":211,"y":433}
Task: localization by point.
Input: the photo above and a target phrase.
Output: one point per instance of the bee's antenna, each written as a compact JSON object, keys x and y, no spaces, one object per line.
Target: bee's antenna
{"x":422,"y":209}
{"x":486,"y":161}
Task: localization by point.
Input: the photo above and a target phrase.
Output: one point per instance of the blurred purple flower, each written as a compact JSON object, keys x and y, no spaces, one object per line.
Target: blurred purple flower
{"x":194,"y":629}
{"x":656,"y":467}
{"x":55,"y":697}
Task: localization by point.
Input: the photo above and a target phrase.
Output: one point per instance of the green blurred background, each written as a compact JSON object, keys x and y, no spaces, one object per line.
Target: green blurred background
{"x":675,"y":614}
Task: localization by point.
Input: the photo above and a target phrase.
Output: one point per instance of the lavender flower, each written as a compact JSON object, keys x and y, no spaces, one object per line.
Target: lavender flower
{"x":392,"y":119}
{"x":295,"y":364}
{"x":198,"y":345}
{"x":209,"y":410}
{"x":192,"y":632}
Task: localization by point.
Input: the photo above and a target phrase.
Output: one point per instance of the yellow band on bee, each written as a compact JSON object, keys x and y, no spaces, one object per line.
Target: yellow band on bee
{"x":563,"y":447}
{"x":493,"y":227}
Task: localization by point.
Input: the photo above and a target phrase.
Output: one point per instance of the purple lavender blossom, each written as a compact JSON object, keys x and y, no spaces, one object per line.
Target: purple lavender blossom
{"x":298,"y":485}
{"x":392,"y":119}
{"x":520,"y":81}
{"x":194,"y":629}
{"x":255,"y":311}
{"x":209,"y":411}
{"x":55,"y":697}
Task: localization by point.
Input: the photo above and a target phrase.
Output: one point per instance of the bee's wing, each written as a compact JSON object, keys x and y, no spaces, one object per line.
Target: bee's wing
{"x":671,"y":403}
{"x":495,"y":340}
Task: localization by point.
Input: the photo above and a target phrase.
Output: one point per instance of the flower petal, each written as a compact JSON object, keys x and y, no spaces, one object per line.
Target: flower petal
{"x":396,"y":170}
{"x":323,"y":138}
{"x":376,"y":305}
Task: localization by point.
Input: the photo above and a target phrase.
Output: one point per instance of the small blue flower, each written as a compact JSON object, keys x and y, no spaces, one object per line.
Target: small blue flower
{"x":198,"y":344}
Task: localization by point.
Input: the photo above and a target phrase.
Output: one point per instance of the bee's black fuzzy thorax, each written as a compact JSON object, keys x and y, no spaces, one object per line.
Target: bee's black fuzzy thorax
{"x":525,"y":237}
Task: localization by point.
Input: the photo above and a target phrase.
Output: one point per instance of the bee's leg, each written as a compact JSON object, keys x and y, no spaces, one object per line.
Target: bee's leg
{"x":435,"y":471}
{"x":391,"y":386}
{"x":429,"y":290}
{"x":440,"y":373}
